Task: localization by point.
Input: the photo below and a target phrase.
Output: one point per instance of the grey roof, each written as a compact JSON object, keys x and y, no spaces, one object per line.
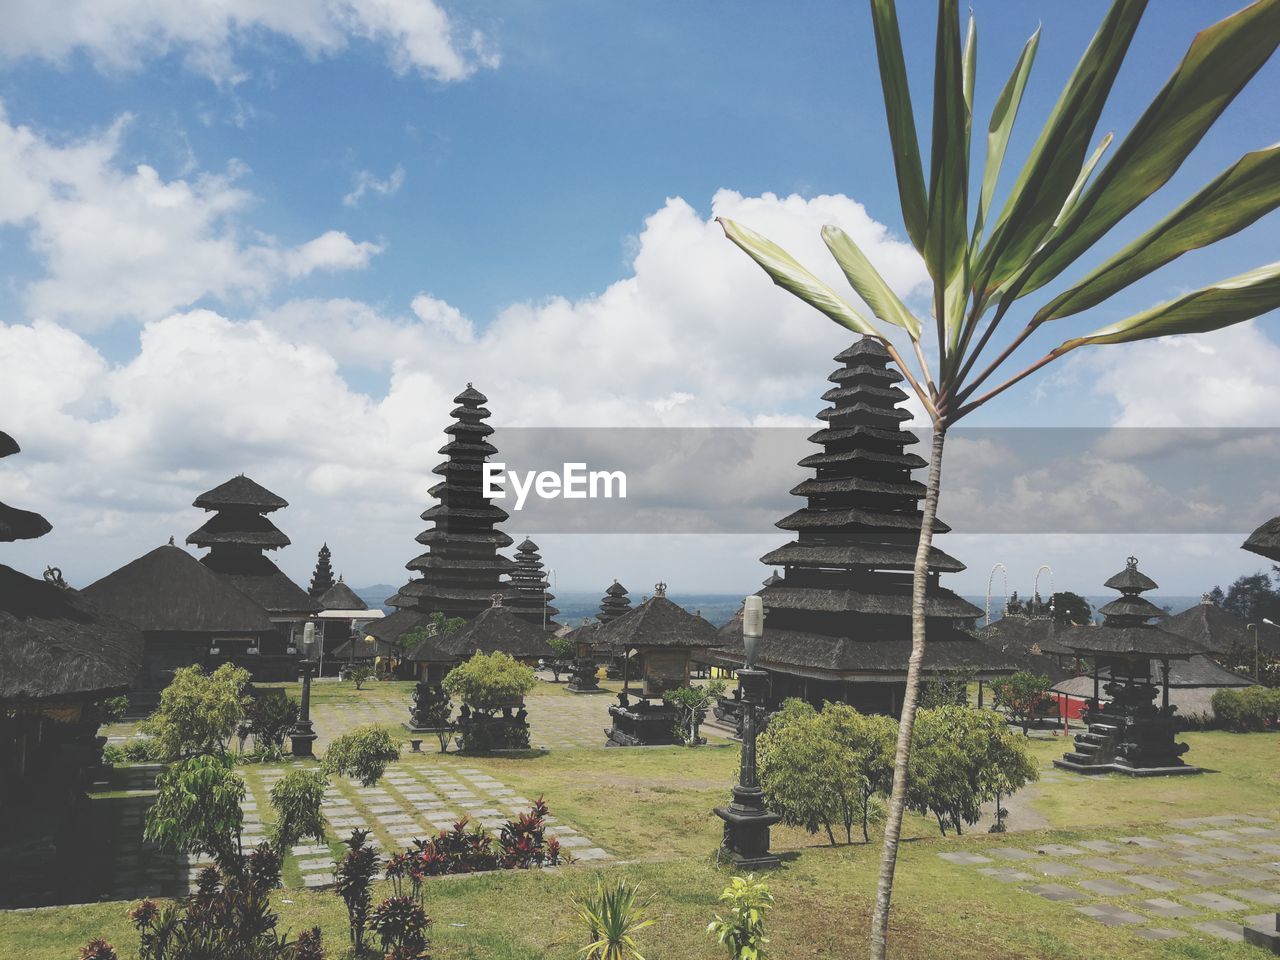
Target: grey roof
{"x":494,"y":629}
{"x":240,"y":492}
{"x":168,"y":590}
{"x":1265,"y":541}
{"x":242,"y":527}
{"x":1130,"y":578}
{"x":658,"y":622}
{"x":882,"y":597}
{"x":341,"y":597}
{"x":1137,"y":641}
{"x":1030,"y":642}
{"x":55,"y":643}
{"x":18,"y":524}
{"x":395,"y":625}
{"x":891,"y":556}
{"x":261,"y":580}
{"x":1210,"y":626}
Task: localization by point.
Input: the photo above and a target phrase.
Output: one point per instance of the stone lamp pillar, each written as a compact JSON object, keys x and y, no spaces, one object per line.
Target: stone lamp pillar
{"x":746,"y":821}
{"x":303,"y":736}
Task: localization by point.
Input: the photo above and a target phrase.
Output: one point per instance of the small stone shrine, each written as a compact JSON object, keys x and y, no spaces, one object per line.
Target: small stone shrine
{"x":657,"y":639}
{"x":1130,"y":734}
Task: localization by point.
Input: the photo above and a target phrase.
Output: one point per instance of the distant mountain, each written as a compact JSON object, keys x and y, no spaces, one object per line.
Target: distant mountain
{"x":376,"y":596}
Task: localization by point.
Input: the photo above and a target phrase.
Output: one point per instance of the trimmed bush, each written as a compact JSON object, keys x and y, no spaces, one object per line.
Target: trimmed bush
{"x":362,"y":754}
{"x":1247,"y":709}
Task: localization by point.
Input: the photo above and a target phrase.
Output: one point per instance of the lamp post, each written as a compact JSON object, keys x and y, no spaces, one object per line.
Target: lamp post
{"x":1257,"y":660}
{"x":303,"y":736}
{"x":746,"y":821}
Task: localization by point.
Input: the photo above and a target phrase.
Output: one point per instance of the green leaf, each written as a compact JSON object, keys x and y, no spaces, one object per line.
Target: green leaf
{"x":902,"y":120}
{"x":787,"y":273}
{"x":947,"y":236}
{"x":1211,"y":308}
{"x":1236,"y":198}
{"x":1220,"y":61}
{"x":1085,"y":173}
{"x":1003,"y":115}
{"x":1055,"y":161}
{"x":866,"y":280}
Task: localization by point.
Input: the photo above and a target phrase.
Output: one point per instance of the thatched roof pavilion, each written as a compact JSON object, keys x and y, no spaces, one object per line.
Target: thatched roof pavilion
{"x":462,"y":568}
{"x":655,"y":624}
{"x":498,"y":628}
{"x":1265,"y":541}
{"x":1029,"y":642}
{"x":838,"y":624}
{"x":341,"y":597}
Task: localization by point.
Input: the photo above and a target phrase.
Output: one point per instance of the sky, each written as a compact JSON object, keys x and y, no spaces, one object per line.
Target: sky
{"x":277,"y":239}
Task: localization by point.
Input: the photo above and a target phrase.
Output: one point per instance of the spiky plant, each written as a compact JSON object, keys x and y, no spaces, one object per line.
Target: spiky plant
{"x":613,"y":916}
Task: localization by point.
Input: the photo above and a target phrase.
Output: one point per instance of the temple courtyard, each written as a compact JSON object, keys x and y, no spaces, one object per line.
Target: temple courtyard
{"x":1104,"y":867}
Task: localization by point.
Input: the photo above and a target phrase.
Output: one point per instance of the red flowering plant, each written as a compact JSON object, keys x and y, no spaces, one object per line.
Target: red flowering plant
{"x":522,"y":843}
{"x":98,"y":949}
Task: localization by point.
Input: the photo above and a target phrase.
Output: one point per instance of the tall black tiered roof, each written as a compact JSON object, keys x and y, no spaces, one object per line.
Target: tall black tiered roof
{"x":322,"y":577}
{"x":1125,"y":630}
{"x":54,"y":642}
{"x":461,"y":569}
{"x":236,"y":535}
{"x":614,"y":603}
{"x":529,"y":598}
{"x":843,"y":601}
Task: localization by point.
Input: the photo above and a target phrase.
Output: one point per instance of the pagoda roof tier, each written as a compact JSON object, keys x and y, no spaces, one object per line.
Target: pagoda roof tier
{"x":860,"y":411}
{"x":1265,"y":541}
{"x":877,"y":597}
{"x":55,"y":643}
{"x":240,"y":492}
{"x":896,"y":556}
{"x":658,"y":622}
{"x":475,"y":450}
{"x":862,"y":372}
{"x":470,"y":413}
{"x":861,"y":432}
{"x":473,"y":538}
{"x":1209,"y":625}
{"x":261,"y":580}
{"x":891,"y":394}
{"x":529,"y":549}
{"x":1130,"y":579}
{"x":496,"y":629}
{"x":867,"y":349}
{"x":415,"y":592}
{"x":239,"y":526}
{"x":341,"y":597}
{"x":856,"y":519}
{"x":8,"y":445}
{"x":830,"y":486}
{"x":467,"y":468}
{"x":860,"y":458}
{"x":948,"y":650}
{"x":444,"y":513}
{"x":18,"y":524}
{"x":1145,"y":641}
{"x":169,"y":591}
{"x":495,"y":563}
{"x":1131,"y":606}
{"x":470,"y":397}
{"x":468,"y":429}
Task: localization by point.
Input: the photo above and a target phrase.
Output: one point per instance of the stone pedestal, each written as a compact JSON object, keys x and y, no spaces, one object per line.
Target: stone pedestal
{"x":642,"y":724}
{"x":584,"y":676}
{"x":746,"y":821}
{"x":1266,"y":936}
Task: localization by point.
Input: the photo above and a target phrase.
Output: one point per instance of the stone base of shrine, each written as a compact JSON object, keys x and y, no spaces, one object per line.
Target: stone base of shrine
{"x":1127,"y":769}
{"x":1266,"y":937}
{"x":643,"y":725}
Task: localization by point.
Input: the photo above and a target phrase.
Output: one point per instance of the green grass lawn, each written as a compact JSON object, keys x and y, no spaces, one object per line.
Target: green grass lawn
{"x":652,"y":810}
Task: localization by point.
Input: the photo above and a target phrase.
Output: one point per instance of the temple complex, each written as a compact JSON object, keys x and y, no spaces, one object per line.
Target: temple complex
{"x":1130,"y":658}
{"x":838,"y":619}
{"x":462,"y":568}
{"x":59,"y":655}
{"x":530,"y":599}
{"x":237,"y":535}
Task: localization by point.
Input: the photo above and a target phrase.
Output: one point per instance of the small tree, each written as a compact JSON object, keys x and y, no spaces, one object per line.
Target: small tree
{"x":269,"y":717}
{"x":1008,"y":766}
{"x":800,"y":767}
{"x":1071,"y":608}
{"x":948,"y":689}
{"x":613,"y":917}
{"x":742,"y":932}
{"x":361,"y":673}
{"x":870,"y":740}
{"x":691,"y":704}
{"x":488,"y":682}
{"x":112,"y":709}
{"x":563,"y":648}
{"x":1022,"y":697}
{"x":198,"y":712}
{"x":363,"y":754}
{"x":197,"y":809}
{"x":354,"y":883}
{"x":297,"y":799}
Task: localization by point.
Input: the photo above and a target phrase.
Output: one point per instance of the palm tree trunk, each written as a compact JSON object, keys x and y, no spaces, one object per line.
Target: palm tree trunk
{"x":897,"y":797}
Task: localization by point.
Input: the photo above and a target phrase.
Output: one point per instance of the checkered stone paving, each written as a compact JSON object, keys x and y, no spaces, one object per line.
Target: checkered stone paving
{"x":1205,"y":876}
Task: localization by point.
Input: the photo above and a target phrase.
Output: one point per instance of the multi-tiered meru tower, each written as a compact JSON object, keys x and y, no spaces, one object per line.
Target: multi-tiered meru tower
{"x":529,"y":599}
{"x":838,"y":624}
{"x":462,"y":569}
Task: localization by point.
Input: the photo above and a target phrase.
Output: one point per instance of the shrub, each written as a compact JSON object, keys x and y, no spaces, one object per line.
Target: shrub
{"x":1022,"y":696}
{"x":742,"y":933}
{"x":112,"y":754}
{"x":692,"y":704}
{"x":489,"y":682}
{"x":522,"y":843}
{"x":360,"y":674}
{"x":613,"y":917}
{"x":309,"y":945}
{"x":354,"y":882}
{"x":297,"y":799}
{"x":563,"y":648}
{"x":362,"y":754}
{"x":401,"y":924}
{"x":112,"y":710}
{"x":198,"y":712}
{"x":1247,"y":709}
{"x":269,"y":717}
{"x":197,"y":809}
{"x":98,"y":949}
{"x":140,"y":750}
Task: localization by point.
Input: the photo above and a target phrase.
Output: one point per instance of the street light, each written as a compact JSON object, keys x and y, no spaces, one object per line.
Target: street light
{"x":303,"y":735}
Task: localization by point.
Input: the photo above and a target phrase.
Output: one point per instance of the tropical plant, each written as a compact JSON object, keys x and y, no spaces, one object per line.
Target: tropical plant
{"x":563,"y":648}
{"x":1023,"y":696}
{"x":269,"y":716}
{"x":198,"y":712}
{"x":363,"y":754}
{"x":360,"y":674}
{"x":1250,"y":709}
{"x":297,"y":799}
{"x":98,"y":949}
{"x":353,"y":878}
{"x":1063,"y":202}
{"x":742,"y":933}
{"x":112,"y":710}
{"x":1007,"y":767}
{"x":613,"y":917}
{"x":401,"y":924}
{"x":309,"y":945}
{"x":197,"y":809}
{"x":691,"y":705}
{"x":947,"y":689}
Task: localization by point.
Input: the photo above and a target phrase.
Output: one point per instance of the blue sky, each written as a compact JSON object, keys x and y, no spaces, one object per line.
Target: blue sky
{"x":518,"y":165}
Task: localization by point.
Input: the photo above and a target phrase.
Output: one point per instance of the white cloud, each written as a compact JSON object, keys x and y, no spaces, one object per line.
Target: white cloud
{"x":418,"y":35}
{"x":120,"y":242}
{"x":366,"y":181}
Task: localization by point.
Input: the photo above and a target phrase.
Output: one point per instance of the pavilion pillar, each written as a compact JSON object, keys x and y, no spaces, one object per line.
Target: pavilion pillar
{"x":1164,"y":675}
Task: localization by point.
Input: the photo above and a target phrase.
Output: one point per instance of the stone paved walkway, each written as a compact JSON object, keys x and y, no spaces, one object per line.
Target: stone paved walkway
{"x":1209,"y":875}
